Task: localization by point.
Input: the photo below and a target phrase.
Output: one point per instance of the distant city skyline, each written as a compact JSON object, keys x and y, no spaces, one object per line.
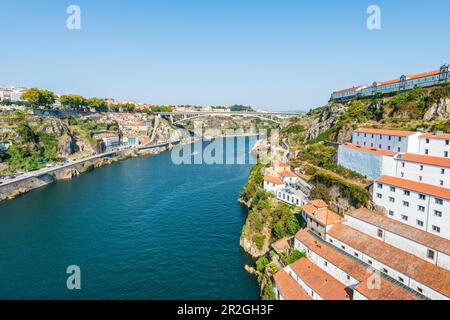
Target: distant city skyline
{"x":281,"y":56}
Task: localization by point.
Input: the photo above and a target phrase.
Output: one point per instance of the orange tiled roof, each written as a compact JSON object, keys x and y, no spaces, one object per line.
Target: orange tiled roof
{"x":416,"y":186}
{"x":288,"y":174}
{"x":318,"y":203}
{"x":423,"y":75}
{"x":106,"y":135}
{"x":277,"y":163}
{"x":327,"y":287}
{"x":387,"y":291}
{"x":421,"y":271}
{"x":417,"y":158}
{"x":282,"y":245}
{"x":443,"y":136}
{"x":397,"y":133}
{"x":406,"y":231}
{"x":288,"y":287}
{"x":349,"y":89}
{"x":370,"y":150}
{"x":273,"y":179}
{"x":382,"y":83}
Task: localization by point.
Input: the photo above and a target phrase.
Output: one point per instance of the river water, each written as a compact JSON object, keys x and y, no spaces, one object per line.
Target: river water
{"x":139,"y":229}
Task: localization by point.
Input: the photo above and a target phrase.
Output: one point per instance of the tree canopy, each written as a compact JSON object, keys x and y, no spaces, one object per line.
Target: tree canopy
{"x":39,"y":98}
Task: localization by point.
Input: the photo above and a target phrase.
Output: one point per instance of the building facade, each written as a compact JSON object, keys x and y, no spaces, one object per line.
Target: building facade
{"x":403,"y":83}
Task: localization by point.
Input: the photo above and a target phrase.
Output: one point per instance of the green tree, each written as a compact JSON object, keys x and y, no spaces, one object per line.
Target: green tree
{"x":39,"y":98}
{"x":294,"y":256}
{"x":73,"y":101}
{"x":98,"y":104}
{"x":261,"y":264}
{"x":268,"y":293}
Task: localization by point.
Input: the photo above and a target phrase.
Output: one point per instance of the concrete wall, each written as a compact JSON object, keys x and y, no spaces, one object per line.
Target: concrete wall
{"x":370,"y":165}
{"x":436,"y":147}
{"x":430,"y":174}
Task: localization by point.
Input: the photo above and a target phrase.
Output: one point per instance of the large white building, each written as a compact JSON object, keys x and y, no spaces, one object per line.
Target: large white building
{"x":423,"y":206}
{"x":435,"y":144}
{"x":389,"y":140}
{"x":403,"y":83}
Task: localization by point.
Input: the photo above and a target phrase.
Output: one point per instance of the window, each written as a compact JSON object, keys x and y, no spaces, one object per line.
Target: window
{"x":379,"y":196}
{"x":406,"y":203}
{"x":446,"y":154}
{"x":391,"y":199}
{"x":436,"y":229}
{"x":420,"y":290}
{"x":403,"y":164}
{"x":379,"y":146}
{"x":390,"y":138}
{"x":427,"y":151}
{"x":441,"y":182}
{"x":438,"y":213}
{"x":348,"y":277}
{"x":442,"y":171}
{"x":380,"y":186}
{"x":398,"y":149}
{"x":343,"y":247}
{"x":447,"y":142}
{"x":391,"y":213}
{"x":421,"y":208}
{"x":385,"y":270}
{"x":403,"y":174}
{"x":326,"y":264}
{"x":370,"y":262}
{"x":439,"y":201}
{"x":389,"y":148}
{"x":420,"y":178}
{"x":401,"y":279}
{"x":380,"y":233}
{"x":399,"y":139}
{"x":331,"y":240}
{"x":405,"y":218}
{"x":420,"y":223}
{"x":422,"y":197}
{"x":421,"y":168}
{"x":407,"y":193}
{"x":392,"y":189}
{"x":431,"y":254}
{"x":428,"y":141}
{"x":356,"y":254}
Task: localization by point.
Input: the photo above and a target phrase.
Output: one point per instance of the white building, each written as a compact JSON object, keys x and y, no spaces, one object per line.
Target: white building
{"x":424,"y":245}
{"x":420,"y":168}
{"x":435,"y":144}
{"x":424,"y":206}
{"x":273,"y":184}
{"x":370,"y":162}
{"x":389,"y":140}
{"x":11,"y":93}
{"x":401,"y":84}
{"x":110,"y":139}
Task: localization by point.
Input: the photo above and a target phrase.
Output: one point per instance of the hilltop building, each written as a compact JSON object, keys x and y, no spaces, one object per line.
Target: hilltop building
{"x":403,"y":83}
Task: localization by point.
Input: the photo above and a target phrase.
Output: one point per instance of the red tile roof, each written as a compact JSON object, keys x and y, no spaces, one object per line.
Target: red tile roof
{"x":370,"y":150}
{"x":421,"y":271}
{"x":274,"y":180}
{"x":281,"y":245}
{"x":318,"y":210}
{"x":396,"y":133}
{"x":417,"y":158}
{"x":288,"y":174}
{"x":423,"y":75}
{"x":288,"y":287}
{"x":387,"y":290}
{"x":277,"y":163}
{"x":327,"y":287}
{"x":318,"y":203}
{"x":419,"y":187}
{"x":403,"y":230}
{"x":349,"y":89}
{"x":106,"y":135}
{"x":442,"y":136}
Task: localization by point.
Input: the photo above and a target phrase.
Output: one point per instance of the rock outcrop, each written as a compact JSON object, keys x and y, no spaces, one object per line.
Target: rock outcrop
{"x":326,"y":120}
{"x":440,"y":109}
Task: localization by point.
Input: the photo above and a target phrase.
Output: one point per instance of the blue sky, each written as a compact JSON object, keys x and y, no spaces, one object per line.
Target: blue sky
{"x":278,"y":55}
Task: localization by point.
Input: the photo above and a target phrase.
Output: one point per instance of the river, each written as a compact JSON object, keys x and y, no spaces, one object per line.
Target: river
{"x":143,"y":228}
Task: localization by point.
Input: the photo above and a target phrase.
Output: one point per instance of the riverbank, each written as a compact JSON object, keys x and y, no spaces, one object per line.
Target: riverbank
{"x":14,"y":190}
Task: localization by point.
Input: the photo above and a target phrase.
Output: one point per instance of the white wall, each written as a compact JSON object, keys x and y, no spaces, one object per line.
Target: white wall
{"x":397,"y":209}
{"x":408,"y":144}
{"x":435,"y":147}
{"x":424,"y":173}
{"x":371,"y":165}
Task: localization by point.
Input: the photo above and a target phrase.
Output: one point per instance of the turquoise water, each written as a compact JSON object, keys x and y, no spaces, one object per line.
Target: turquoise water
{"x":139,"y":229}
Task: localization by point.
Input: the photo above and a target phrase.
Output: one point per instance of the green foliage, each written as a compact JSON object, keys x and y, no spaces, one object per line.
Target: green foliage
{"x":38,"y":98}
{"x":254,"y":182}
{"x":262,"y":263}
{"x":268,"y":293}
{"x":272,"y":268}
{"x":285,"y":221}
{"x":72,"y":101}
{"x":97,"y":104}
{"x":259,"y":240}
{"x":241,"y":108}
{"x":294,"y":256}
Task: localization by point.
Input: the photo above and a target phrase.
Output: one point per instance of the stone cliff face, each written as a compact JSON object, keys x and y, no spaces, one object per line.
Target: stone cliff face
{"x":440,"y":109}
{"x":326,"y":120}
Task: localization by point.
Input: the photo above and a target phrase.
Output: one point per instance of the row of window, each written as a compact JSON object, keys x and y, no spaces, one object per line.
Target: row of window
{"x":407,"y":193}
{"x":422,"y":167}
{"x":447,"y":142}
{"x":445,"y":153}
{"x":441,"y":182}
{"x":381,"y":137}
{"x":420,"y":223}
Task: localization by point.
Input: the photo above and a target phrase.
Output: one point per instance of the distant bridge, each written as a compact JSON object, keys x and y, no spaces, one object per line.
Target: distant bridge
{"x":188,"y":116}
